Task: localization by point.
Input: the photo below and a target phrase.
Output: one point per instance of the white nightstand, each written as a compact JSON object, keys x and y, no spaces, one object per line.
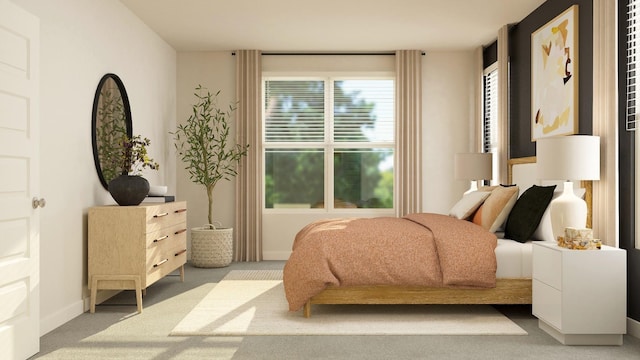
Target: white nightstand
{"x":580,"y":296}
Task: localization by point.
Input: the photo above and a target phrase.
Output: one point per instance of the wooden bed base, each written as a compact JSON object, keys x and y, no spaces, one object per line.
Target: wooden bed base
{"x":507,"y":291}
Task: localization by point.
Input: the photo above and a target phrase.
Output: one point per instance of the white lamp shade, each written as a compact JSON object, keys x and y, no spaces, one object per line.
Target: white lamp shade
{"x":575,"y":157}
{"x":473,"y":166}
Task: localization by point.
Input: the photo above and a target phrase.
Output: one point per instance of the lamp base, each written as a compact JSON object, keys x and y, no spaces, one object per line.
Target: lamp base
{"x":567,"y":210}
{"x":473,"y":187}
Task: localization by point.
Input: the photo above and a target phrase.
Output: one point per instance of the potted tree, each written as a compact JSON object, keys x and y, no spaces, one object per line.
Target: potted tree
{"x":203,"y":145}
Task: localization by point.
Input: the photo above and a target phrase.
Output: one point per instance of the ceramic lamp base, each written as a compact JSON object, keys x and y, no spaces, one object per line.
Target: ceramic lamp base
{"x":473,"y":187}
{"x":567,"y":210}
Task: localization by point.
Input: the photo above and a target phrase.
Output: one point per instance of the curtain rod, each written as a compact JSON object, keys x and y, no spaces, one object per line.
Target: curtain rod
{"x":326,"y":53}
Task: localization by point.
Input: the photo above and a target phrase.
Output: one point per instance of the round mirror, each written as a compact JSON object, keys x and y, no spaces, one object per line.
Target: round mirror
{"x":111,"y":120}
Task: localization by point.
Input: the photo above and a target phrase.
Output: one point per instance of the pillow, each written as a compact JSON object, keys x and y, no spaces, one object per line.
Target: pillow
{"x":544,"y":231}
{"x":527,"y":213}
{"x":469,"y":203}
{"x":495,"y":209}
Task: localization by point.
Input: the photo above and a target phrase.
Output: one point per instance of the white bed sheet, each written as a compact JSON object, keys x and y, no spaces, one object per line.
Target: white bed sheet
{"x":514,"y":259}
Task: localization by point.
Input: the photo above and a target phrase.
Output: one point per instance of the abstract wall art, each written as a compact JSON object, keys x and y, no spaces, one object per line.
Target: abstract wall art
{"x":554,"y":76}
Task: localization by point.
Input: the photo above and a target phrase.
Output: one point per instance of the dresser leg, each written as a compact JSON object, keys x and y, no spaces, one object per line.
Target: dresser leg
{"x":182,"y":273}
{"x":138,"y":294}
{"x":137,"y":286}
{"x":94,"y":292}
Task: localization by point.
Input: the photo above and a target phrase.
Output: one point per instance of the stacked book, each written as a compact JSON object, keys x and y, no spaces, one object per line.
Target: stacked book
{"x":159,"y":199}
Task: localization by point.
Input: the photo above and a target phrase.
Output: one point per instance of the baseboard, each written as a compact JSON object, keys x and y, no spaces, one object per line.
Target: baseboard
{"x":61,"y":317}
{"x":633,"y":328}
{"x":276,"y":255}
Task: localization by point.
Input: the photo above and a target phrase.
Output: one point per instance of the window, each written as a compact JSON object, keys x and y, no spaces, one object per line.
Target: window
{"x":632,"y":45}
{"x":631,"y":98}
{"x":329,"y":142}
{"x":490,"y":142}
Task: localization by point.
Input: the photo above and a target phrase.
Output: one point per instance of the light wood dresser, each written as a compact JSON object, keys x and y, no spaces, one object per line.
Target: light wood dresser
{"x":131,"y":247}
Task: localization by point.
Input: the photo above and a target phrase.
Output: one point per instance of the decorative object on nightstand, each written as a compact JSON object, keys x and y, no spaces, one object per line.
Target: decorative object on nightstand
{"x":473,"y":167}
{"x":575,"y":157}
{"x":580,"y":297}
{"x":579,"y":239}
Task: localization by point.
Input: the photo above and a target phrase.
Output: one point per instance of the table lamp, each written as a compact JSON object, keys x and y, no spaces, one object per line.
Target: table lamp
{"x":473,"y":167}
{"x":573,"y":157}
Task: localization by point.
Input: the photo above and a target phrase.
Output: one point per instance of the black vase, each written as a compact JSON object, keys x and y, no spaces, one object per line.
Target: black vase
{"x":128,"y":190}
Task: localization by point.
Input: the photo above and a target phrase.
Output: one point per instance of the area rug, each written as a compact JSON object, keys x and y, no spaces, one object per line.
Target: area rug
{"x":253,"y":303}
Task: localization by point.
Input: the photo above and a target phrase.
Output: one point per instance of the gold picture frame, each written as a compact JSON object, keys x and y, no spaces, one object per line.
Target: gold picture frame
{"x":554,"y":76}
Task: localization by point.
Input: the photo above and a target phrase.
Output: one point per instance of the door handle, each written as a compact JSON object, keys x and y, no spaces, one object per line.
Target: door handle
{"x":36,"y":203}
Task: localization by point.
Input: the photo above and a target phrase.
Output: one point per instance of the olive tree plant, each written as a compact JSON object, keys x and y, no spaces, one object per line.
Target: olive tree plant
{"x":203,"y":144}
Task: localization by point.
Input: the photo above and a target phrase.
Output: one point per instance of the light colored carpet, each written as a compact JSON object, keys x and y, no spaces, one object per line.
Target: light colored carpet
{"x":253,"y":303}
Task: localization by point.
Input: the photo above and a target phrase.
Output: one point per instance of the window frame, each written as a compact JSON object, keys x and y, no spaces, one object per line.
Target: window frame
{"x":328,"y":144}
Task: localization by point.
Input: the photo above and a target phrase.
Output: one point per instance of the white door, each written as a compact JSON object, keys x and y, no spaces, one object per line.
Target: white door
{"x":19,"y":221}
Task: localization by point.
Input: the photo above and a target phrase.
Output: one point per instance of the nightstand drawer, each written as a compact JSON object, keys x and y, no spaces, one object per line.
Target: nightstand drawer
{"x":547,"y":266}
{"x":547,"y":303}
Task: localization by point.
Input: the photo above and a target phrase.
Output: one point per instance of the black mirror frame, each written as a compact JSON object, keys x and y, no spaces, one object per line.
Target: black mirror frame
{"x":94,"y":114}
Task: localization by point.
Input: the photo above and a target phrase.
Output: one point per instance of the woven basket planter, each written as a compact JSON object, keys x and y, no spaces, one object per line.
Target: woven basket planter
{"x":211,"y":247}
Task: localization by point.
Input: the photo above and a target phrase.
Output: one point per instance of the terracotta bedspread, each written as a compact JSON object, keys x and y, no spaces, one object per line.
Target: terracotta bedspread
{"x":420,"y":249}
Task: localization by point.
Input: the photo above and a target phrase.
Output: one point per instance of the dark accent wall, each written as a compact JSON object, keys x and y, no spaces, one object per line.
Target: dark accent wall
{"x":520,"y":65}
{"x":627,"y":179}
{"x":489,"y":54}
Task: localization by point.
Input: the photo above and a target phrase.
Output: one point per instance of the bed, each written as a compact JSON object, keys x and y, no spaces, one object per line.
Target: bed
{"x":512,"y":268}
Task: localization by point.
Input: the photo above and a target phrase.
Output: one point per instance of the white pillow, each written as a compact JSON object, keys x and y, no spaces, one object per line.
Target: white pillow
{"x":544,"y":231}
{"x":469,"y":203}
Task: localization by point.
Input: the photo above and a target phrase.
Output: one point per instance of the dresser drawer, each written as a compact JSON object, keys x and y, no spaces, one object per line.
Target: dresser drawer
{"x":169,"y":234}
{"x":162,"y":245}
{"x":171,"y":262}
{"x":547,"y":266}
{"x":165,"y":215}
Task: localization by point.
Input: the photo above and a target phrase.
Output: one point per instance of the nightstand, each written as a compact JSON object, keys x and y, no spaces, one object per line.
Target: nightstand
{"x":580,"y":296}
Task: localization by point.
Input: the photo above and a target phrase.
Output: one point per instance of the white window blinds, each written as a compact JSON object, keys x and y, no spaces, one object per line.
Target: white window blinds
{"x":363,"y":110}
{"x":294,"y":111}
{"x":490,"y":122}
{"x":632,"y":64}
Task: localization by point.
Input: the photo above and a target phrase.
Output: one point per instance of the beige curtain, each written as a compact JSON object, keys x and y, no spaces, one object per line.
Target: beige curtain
{"x":248,"y":223}
{"x":476,"y":131}
{"x":605,"y":217}
{"x":409,"y":131}
{"x":503,"y":104}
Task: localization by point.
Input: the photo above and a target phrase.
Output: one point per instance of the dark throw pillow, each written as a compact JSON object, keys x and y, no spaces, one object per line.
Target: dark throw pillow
{"x":527,"y":212}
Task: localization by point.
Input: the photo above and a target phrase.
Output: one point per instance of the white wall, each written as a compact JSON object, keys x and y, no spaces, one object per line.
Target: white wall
{"x":448,"y":80}
{"x":448,"y":108}
{"x":80,"y":42}
{"x":216,"y":72}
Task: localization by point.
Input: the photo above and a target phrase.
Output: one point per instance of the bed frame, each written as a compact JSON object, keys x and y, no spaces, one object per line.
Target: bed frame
{"x":507,"y":291}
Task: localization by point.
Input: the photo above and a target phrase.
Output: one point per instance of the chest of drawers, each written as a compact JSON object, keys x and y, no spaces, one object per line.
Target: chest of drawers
{"x":131,"y":247}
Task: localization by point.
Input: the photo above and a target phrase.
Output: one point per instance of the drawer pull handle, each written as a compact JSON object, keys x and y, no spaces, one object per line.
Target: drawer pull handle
{"x":160,"y":215}
{"x":160,"y":263}
{"x":179,"y":231}
{"x":180,"y":211}
{"x":180,"y":252}
{"x":161,"y":238}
